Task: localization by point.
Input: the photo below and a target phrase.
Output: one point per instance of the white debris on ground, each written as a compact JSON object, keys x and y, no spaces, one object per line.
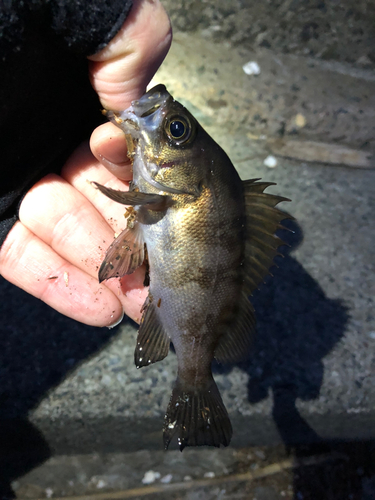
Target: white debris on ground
{"x":166,"y":479}
{"x":187,"y":478}
{"x":101,"y":484}
{"x":260,"y":454}
{"x":300,"y":120}
{"x":251,"y":68}
{"x":270,"y":161}
{"x":49,"y":492}
{"x":150,"y":477}
{"x":209,"y":474}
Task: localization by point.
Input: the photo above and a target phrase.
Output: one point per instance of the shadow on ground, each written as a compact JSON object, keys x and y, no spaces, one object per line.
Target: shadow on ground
{"x":38,"y":347}
{"x":350,"y":476}
{"x":297,"y":326}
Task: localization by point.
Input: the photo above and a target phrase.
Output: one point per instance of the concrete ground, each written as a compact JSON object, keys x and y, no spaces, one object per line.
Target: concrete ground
{"x":72,"y":392}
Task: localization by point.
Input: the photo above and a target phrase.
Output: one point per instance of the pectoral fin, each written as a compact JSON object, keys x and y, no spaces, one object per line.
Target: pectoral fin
{"x":152,"y":342}
{"x":262,"y":221}
{"x":234,"y":345}
{"x":124,"y":255}
{"x":150,"y":201}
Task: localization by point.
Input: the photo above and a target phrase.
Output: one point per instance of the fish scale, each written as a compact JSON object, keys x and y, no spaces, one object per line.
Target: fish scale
{"x":210,"y":242}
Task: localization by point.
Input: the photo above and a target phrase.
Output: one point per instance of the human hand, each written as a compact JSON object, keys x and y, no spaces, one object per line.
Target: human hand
{"x":55,"y":250}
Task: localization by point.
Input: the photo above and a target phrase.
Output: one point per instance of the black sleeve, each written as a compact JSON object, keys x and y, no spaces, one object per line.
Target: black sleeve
{"x":47,"y":104}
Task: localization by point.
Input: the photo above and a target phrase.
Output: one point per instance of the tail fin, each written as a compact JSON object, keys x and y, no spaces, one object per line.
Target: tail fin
{"x":199,"y":418}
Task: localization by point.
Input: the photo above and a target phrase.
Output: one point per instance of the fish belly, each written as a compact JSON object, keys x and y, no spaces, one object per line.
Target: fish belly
{"x":194,"y":257}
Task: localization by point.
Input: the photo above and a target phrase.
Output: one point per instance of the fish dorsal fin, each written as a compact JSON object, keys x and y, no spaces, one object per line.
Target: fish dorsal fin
{"x":262,"y":221}
{"x":124,"y":255}
{"x":234,"y":345}
{"x":152,"y":341}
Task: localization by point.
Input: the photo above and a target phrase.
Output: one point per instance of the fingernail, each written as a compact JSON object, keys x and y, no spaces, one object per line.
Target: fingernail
{"x":113,"y":164}
{"x":123,"y":171}
{"x":117,"y":322}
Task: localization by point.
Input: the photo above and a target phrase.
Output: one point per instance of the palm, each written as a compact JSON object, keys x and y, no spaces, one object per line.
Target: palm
{"x":65,"y":228}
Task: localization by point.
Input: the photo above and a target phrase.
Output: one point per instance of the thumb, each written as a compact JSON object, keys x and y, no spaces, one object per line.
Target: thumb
{"x":121,"y":71}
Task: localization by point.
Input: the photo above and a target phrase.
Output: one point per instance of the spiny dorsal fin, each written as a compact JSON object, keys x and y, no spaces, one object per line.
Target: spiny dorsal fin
{"x":262,"y":221}
{"x":234,"y":345}
{"x":124,"y":255}
{"x":152,"y":341}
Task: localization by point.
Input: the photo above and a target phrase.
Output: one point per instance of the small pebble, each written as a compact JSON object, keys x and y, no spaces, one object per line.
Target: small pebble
{"x":251,"y":68}
{"x":150,"y":477}
{"x":270,"y":161}
{"x":300,"y":120}
{"x":209,"y":474}
{"x":49,"y":492}
{"x":188,"y":478}
{"x":166,"y":479}
{"x":371,"y":335}
{"x":364,"y":61}
{"x":106,"y":379}
{"x":260,"y":454}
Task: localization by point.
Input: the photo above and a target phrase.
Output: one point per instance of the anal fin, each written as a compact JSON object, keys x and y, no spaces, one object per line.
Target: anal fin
{"x":234,"y":345}
{"x":152,"y":341}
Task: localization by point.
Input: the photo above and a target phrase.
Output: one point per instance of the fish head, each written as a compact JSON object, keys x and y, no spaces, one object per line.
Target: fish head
{"x":163,"y":143}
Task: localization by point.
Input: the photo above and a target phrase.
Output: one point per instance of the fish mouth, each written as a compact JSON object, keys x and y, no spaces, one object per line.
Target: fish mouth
{"x":142,"y":121}
{"x":150,"y":102}
{"x":144,"y":116}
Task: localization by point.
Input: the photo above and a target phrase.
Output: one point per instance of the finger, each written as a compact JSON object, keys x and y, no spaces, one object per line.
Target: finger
{"x":30,"y":264}
{"x":69,"y":224}
{"x":108,"y":145}
{"x":78,"y":170}
{"x":121,"y":71}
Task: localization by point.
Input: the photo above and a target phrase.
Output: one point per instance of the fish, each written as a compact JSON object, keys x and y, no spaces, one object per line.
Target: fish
{"x":208,"y":239}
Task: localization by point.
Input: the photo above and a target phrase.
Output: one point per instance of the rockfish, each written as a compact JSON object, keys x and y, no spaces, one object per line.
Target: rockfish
{"x":208,"y":240}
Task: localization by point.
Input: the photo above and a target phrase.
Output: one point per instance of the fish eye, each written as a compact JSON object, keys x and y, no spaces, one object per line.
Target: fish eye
{"x":178,"y":129}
